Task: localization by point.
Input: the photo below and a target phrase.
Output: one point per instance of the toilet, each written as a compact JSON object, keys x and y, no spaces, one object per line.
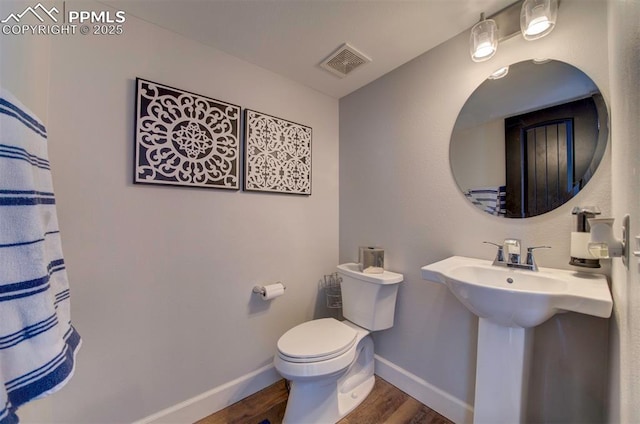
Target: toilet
{"x":330,"y":363}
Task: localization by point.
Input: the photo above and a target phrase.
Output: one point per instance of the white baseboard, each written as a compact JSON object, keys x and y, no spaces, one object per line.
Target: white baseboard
{"x":207,"y":403}
{"x":436,"y":399}
{"x":222,"y":396}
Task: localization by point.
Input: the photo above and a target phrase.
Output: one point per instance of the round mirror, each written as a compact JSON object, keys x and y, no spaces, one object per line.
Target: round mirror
{"x":529,"y":138}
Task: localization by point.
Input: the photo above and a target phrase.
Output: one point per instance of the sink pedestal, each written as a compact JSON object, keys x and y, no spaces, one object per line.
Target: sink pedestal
{"x":502,"y":372}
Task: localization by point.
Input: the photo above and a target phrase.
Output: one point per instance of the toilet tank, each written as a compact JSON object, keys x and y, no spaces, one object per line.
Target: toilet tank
{"x":368,"y":300}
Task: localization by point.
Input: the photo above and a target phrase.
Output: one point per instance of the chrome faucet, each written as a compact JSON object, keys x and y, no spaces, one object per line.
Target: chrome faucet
{"x":509,"y":254}
{"x":513,"y":251}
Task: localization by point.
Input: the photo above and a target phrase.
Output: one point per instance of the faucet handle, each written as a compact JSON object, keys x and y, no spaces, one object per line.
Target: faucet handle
{"x":499,"y":254}
{"x":531,"y":249}
{"x":530,"y":259}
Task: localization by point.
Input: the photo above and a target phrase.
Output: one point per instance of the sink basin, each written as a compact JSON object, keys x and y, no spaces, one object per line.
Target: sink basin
{"x":520,"y":298}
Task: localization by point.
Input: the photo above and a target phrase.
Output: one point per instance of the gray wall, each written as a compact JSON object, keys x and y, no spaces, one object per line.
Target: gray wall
{"x":161,"y":277}
{"x":24,"y":65}
{"x":397,"y":191}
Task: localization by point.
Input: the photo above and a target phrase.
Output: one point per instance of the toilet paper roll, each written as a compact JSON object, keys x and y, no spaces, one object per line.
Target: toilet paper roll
{"x":273,"y":290}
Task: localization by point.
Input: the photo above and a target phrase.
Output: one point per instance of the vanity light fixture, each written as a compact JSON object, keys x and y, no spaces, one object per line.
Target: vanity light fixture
{"x":530,"y":18}
{"x":538,"y":18}
{"x":483,"y":42}
{"x":499,"y":73}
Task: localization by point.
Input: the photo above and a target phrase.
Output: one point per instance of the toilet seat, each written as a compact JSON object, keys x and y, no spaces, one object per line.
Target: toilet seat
{"x":317,"y":340}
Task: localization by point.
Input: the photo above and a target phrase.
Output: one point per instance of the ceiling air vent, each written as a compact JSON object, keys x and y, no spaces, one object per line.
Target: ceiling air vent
{"x":344,"y":60}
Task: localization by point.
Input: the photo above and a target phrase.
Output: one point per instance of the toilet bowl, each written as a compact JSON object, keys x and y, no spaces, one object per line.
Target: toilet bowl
{"x":327,"y":384}
{"x":330,"y":363}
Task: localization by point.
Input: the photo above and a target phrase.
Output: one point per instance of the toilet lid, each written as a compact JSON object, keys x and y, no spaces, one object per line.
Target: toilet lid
{"x":316,"y":340}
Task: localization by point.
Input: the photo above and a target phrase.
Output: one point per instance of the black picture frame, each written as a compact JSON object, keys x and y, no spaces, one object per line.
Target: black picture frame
{"x":277,"y":154}
{"x":185,"y":139}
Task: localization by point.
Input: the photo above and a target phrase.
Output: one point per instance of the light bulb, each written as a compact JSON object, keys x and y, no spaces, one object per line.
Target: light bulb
{"x":538,"y":25}
{"x":483,"y":50}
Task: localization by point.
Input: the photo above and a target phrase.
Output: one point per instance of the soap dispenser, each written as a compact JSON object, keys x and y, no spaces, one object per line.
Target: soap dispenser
{"x":580,"y":238}
{"x":603,"y":243}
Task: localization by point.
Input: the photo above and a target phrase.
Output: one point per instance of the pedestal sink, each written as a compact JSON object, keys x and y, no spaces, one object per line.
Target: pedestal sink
{"x":509,"y":302}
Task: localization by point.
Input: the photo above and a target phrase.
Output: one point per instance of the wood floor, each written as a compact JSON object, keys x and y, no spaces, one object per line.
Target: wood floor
{"x":385,"y":405}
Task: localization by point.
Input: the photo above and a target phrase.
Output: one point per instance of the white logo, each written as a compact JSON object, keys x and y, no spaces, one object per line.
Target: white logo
{"x":34,"y":11}
{"x":51,"y":22}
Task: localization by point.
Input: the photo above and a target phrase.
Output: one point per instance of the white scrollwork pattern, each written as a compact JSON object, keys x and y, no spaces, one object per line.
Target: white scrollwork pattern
{"x":185,"y":139}
{"x":277,"y":155}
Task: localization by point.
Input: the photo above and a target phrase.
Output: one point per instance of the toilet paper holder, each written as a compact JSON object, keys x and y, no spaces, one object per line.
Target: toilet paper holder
{"x":331,"y":283}
{"x":261,"y":290}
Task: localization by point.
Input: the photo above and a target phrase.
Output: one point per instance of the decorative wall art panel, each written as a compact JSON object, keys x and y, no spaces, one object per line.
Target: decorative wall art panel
{"x":277,"y":155}
{"x":185,"y":139}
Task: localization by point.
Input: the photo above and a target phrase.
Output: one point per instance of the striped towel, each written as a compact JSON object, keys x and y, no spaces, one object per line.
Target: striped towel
{"x":37,"y":341}
{"x":490,"y":199}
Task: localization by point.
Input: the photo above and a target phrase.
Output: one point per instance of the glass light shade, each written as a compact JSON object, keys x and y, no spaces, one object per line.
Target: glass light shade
{"x":483,"y":43}
{"x":537,"y":18}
